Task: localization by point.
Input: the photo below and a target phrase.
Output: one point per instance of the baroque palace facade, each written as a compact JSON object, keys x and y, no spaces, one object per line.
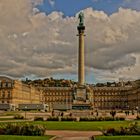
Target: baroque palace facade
{"x":110,"y":97}
{"x":99,"y":97}
{"x":15,"y":93}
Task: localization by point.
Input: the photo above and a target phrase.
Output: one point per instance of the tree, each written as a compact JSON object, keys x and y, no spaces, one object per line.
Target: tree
{"x":113,"y":113}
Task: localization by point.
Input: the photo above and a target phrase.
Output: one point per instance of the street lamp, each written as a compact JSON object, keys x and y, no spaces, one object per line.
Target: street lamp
{"x":127,"y":109}
{"x":37,"y":107}
{"x":25,"y":111}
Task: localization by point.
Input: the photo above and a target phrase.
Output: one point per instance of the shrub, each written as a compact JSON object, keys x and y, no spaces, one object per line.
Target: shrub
{"x":2,"y":131}
{"x":87,"y":119}
{"x":83,"y":119}
{"x":18,"y":116}
{"x":53,"y":119}
{"x":91,"y":119}
{"x":109,"y":132}
{"x":70,"y":114}
{"x":113,"y":113}
{"x":68,"y":119}
{"x":120,"y":118}
{"x":33,"y":130}
{"x":108,"y":119}
{"x":62,"y":114}
{"x":24,"y":129}
{"x":38,"y":119}
{"x":101,"y":119}
{"x":138,"y":117}
{"x":133,"y":129}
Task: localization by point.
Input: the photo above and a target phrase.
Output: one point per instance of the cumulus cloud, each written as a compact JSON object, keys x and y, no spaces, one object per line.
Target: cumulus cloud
{"x":52,"y":2}
{"x":95,"y":0}
{"x":33,"y":43}
{"x":132,"y":4}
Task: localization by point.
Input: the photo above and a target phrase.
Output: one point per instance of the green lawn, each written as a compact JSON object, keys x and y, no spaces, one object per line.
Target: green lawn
{"x":85,"y":126}
{"x":118,"y":138}
{"x":24,"y":137}
{"x":6,"y":119}
{"x":10,"y":113}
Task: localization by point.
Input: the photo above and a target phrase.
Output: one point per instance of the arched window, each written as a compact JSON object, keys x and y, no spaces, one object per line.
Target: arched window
{"x":9,"y":94}
{"x":3,"y":94}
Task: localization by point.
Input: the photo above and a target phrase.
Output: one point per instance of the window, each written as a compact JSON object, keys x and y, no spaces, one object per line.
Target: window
{"x":3,"y":94}
{"x":9,"y":94}
{"x":4,"y":84}
{"x":9,"y":84}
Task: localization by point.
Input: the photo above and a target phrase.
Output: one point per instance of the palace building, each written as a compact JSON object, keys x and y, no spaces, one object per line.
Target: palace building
{"x":15,"y":92}
{"x":58,"y":97}
{"x":110,"y":97}
{"x":133,"y":97}
{"x":104,"y":98}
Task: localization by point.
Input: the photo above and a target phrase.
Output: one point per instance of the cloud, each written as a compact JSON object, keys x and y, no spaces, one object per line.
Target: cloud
{"x":132,"y":4}
{"x":95,"y":0}
{"x":33,"y":43}
{"x":52,"y":2}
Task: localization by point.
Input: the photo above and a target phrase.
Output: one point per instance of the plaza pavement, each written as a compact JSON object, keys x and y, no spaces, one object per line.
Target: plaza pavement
{"x":72,"y":138}
{"x":72,"y":135}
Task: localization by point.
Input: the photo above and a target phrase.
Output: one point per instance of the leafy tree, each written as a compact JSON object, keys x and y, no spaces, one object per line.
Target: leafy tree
{"x":113,"y":113}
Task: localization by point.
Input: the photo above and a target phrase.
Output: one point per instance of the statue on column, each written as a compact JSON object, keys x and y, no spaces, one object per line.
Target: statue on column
{"x":81,"y":18}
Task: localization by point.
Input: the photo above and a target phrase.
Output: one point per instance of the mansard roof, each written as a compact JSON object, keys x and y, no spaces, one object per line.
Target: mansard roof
{"x":5,"y":78}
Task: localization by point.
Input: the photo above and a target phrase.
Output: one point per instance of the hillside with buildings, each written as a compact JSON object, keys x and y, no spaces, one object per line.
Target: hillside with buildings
{"x":51,"y":82}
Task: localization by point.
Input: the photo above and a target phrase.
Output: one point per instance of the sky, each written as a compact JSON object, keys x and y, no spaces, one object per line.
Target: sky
{"x":38,"y":39}
{"x":70,"y":8}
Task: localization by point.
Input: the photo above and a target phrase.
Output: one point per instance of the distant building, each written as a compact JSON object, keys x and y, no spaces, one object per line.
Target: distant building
{"x":99,"y":97}
{"x":60,"y":98}
{"x":110,"y":97}
{"x":133,"y":97}
{"x":14,"y":92}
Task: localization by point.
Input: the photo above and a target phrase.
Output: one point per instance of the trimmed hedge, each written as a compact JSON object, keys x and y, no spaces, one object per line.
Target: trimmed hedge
{"x":68,"y":119}
{"x":24,"y":129}
{"x":18,"y":116}
{"x":82,"y":119}
{"x":101,"y":119}
{"x":38,"y":119}
{"x":53,"y":119}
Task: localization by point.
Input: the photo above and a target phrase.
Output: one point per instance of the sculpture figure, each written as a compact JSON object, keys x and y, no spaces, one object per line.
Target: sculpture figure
{"x":81,"y":18}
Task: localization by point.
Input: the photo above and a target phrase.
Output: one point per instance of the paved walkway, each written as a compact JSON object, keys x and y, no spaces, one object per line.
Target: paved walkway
{"x":72,"y":135}
{"x":72,"y":138}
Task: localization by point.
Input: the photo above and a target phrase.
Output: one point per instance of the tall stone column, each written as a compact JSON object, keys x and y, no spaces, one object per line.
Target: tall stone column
{"x":81,"y":57}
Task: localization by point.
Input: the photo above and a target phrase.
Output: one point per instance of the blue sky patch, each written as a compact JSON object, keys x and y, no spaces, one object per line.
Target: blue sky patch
{"x":71,"y":7}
